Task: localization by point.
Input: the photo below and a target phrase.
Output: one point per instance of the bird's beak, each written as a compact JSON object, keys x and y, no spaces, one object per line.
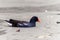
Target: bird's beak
{"x":38,"y":20}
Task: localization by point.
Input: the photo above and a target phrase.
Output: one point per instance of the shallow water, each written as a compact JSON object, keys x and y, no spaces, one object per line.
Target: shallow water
{"x":47,"y":29}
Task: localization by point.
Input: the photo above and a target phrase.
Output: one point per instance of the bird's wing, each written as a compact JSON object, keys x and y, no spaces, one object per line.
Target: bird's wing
{"x":18,"y":21}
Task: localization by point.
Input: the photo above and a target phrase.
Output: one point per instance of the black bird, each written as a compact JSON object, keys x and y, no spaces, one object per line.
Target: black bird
{"x":17,"y":23}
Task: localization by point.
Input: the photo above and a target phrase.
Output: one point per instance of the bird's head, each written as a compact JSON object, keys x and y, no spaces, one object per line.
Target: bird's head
{"x":34,"y":19}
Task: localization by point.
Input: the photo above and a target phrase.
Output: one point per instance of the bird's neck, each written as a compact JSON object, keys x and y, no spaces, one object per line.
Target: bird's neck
{"x":32,"y":21}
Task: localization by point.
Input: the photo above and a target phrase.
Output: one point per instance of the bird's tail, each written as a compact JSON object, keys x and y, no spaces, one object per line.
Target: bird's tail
{"x":6,"y":21}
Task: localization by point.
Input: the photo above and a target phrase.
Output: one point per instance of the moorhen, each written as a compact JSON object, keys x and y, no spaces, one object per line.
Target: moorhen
{"x":17,"y":23}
